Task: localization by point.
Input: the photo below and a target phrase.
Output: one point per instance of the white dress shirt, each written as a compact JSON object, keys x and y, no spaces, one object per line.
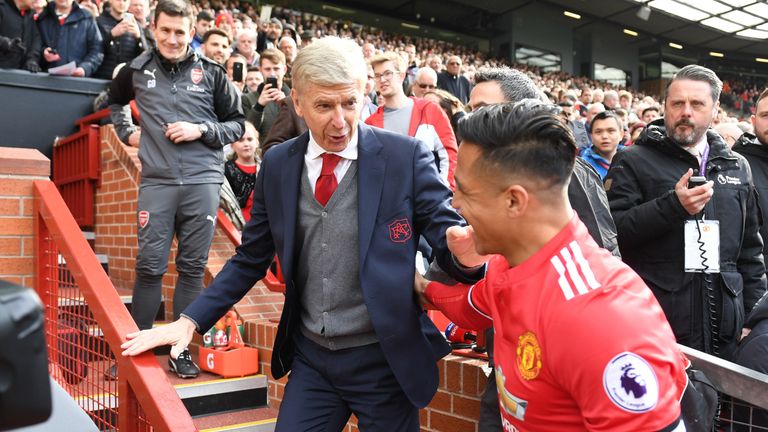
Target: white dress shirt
{"x":314,"y":159}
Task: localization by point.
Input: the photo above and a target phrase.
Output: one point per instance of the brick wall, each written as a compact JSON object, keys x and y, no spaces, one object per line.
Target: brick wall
{"x":116,"y":226}
{"x":19,"y":167}
{"x":455,"y":407}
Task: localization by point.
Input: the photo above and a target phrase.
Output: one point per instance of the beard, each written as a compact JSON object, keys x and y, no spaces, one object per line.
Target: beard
{"x":686,"y":139}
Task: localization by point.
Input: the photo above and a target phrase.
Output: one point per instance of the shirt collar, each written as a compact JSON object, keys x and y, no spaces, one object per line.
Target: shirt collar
{"x":698,"y":149}
{"x":350,"y":152}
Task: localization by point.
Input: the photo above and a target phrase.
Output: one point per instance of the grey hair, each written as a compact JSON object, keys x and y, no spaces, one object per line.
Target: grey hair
{"x":700,"y":73}
{"x":330,"y":61}
{"x":515,"y":85}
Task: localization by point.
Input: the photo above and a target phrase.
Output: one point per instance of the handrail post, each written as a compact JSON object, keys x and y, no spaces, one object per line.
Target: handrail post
{"x":128,"y":409}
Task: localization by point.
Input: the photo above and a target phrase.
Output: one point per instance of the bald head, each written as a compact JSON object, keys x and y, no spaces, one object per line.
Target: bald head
{"x":729,"y":131}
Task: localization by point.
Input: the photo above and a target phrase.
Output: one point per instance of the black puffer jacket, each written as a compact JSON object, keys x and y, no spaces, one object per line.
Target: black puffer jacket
{"x":121,"y":49}
{"x":650,"y":222}
{"x":757,"y":156}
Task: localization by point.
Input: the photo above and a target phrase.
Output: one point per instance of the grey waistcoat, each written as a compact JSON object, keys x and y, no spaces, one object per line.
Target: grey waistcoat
{"x":333,"y":312}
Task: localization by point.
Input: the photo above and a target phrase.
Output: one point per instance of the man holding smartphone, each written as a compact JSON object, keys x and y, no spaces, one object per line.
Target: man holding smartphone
{"x":121,"y":38}
{"x":667,"y":220}
{"x":262,"y":106}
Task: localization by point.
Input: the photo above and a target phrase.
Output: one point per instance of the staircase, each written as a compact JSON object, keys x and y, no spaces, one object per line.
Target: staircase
{"x":215,"y":403}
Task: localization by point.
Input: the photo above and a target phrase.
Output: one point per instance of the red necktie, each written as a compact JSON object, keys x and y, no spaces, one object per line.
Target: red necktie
{"x":326,"y":183}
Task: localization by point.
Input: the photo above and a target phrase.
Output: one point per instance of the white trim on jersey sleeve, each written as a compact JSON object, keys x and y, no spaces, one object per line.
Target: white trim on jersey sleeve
{"x":471,"y":303}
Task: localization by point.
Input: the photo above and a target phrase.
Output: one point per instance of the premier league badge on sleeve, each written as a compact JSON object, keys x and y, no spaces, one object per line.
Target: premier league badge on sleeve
{"x":631,"y":383}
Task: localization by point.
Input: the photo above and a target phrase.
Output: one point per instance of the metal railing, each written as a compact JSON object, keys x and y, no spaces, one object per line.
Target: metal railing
{"x":744,"y":392}
{"x":85,"y":324}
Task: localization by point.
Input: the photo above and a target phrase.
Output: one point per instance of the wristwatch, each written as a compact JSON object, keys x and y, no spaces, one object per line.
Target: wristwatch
{"x":203,"y":129}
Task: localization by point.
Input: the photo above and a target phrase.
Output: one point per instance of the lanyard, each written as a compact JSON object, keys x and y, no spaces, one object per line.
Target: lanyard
{"x":704,"y":158}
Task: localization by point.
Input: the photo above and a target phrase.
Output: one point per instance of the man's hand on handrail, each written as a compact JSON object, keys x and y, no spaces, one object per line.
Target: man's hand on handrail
{"x":178,"y":334}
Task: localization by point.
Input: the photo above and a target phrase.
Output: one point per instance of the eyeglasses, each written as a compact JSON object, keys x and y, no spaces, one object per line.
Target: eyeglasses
{"x":387,"y":75}
{"x":427,"y":86}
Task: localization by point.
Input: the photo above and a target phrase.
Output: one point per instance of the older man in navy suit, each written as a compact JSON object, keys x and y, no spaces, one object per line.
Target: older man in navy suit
{"x":343,"y":205}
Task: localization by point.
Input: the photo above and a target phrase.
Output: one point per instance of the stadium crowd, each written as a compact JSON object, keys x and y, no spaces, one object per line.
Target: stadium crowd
{"x":637,"y":145}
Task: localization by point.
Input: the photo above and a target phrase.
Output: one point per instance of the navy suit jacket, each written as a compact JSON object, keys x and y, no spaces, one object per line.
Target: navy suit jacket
{"x":400,"y":196}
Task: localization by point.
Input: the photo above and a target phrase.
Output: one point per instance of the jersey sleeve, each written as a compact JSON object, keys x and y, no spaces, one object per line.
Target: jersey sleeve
{"x":463,"y":304}
{"x":618,"y":361}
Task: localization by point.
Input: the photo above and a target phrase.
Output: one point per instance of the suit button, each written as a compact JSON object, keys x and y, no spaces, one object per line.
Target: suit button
{"x":325,"y":246}
{"x":324,"y":214}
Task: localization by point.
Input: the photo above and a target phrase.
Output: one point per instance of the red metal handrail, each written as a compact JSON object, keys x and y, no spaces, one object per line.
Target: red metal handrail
{"x":76,"y":291}
{"x":273,"y":282}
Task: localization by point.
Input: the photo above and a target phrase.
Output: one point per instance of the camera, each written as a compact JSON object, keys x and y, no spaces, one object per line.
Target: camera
{"x":696,"y":181}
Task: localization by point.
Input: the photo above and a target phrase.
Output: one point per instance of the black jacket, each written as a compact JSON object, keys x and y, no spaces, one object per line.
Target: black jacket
{"x":15,"y":25}
{"x":118,"y":50}
{"x":78,"y":39}
{"x":650,"y":221}
{"x":588,"y":199}
{"x":757,"y":156}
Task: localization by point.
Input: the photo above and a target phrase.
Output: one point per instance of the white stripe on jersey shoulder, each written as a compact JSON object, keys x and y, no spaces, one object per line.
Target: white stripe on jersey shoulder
{"x":471,"y":303}
{"x":567,"y":265}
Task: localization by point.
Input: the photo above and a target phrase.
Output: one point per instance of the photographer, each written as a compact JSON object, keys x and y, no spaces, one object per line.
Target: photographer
{"x":121,"y":38}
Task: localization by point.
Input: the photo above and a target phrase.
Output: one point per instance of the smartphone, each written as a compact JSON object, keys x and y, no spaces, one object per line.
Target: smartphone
{"x":237,"y":72}
{"x":272,"y":81}
{"x":696,"y":181}
{"x":128,"y":17}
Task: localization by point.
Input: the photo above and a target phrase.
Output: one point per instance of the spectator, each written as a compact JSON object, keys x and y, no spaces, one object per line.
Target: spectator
{"x":70,"y":34}
{"x":729,"y":132}
{"x":225,"y":22}
{"x":267,"y":39}
{"x":288,"y":47}
{"x":121,"y":38}
{"x":611,"y":100}
{"x":754,"y":147}
{"x":20,"y":43}
{"x":253,"y":78}
{"x":634,"y":132}
{"x":216,"y":46}
{"x":653,"y":207}
{"x":230,"y":67}
{"x":453,"y":82}
{"x":140,"y":11}
{"x":426,"y":80}
{"x":598,"y":96}
{"x":577,"y":126}
{"x":241,"y":168}
{"x":175,"y":198}
{"x":435,"y":62}
{"x":418,"y":118}
{"x":368,"y":349}
{"x":367,"y":106}
{"x":544,"y":311}
{"x":607,"y":133}
{"x":261,"y":107}
{"x":451,"y":106}
{"x":203,"y":23}
{"x":650,"y":114}
{"x":369,"y":50}
{"x":246,"y":47}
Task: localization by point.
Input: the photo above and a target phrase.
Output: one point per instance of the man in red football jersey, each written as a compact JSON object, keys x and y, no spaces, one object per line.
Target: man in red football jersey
{"x":581,"y":342}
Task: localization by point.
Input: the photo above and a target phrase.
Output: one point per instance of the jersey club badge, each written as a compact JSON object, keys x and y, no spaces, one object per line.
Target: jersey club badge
{"x":528,"y":356}
{"x":631,"y":383}
{"x":143,"y":218}
{"x":196,"y":75}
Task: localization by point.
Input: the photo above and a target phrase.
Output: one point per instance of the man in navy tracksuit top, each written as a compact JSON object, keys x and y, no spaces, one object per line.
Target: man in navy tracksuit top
{"x":189,"y":111}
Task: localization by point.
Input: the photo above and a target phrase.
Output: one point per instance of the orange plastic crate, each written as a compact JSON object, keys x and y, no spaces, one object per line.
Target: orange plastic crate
{"x":233,"y":363}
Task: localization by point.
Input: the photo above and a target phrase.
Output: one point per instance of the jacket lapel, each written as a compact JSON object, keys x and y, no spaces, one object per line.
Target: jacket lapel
{"x":370,"y":183}
{"x":290,"y":185}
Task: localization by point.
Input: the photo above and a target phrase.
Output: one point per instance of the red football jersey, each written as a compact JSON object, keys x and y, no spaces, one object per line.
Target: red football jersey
{"x":581,"y":342}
